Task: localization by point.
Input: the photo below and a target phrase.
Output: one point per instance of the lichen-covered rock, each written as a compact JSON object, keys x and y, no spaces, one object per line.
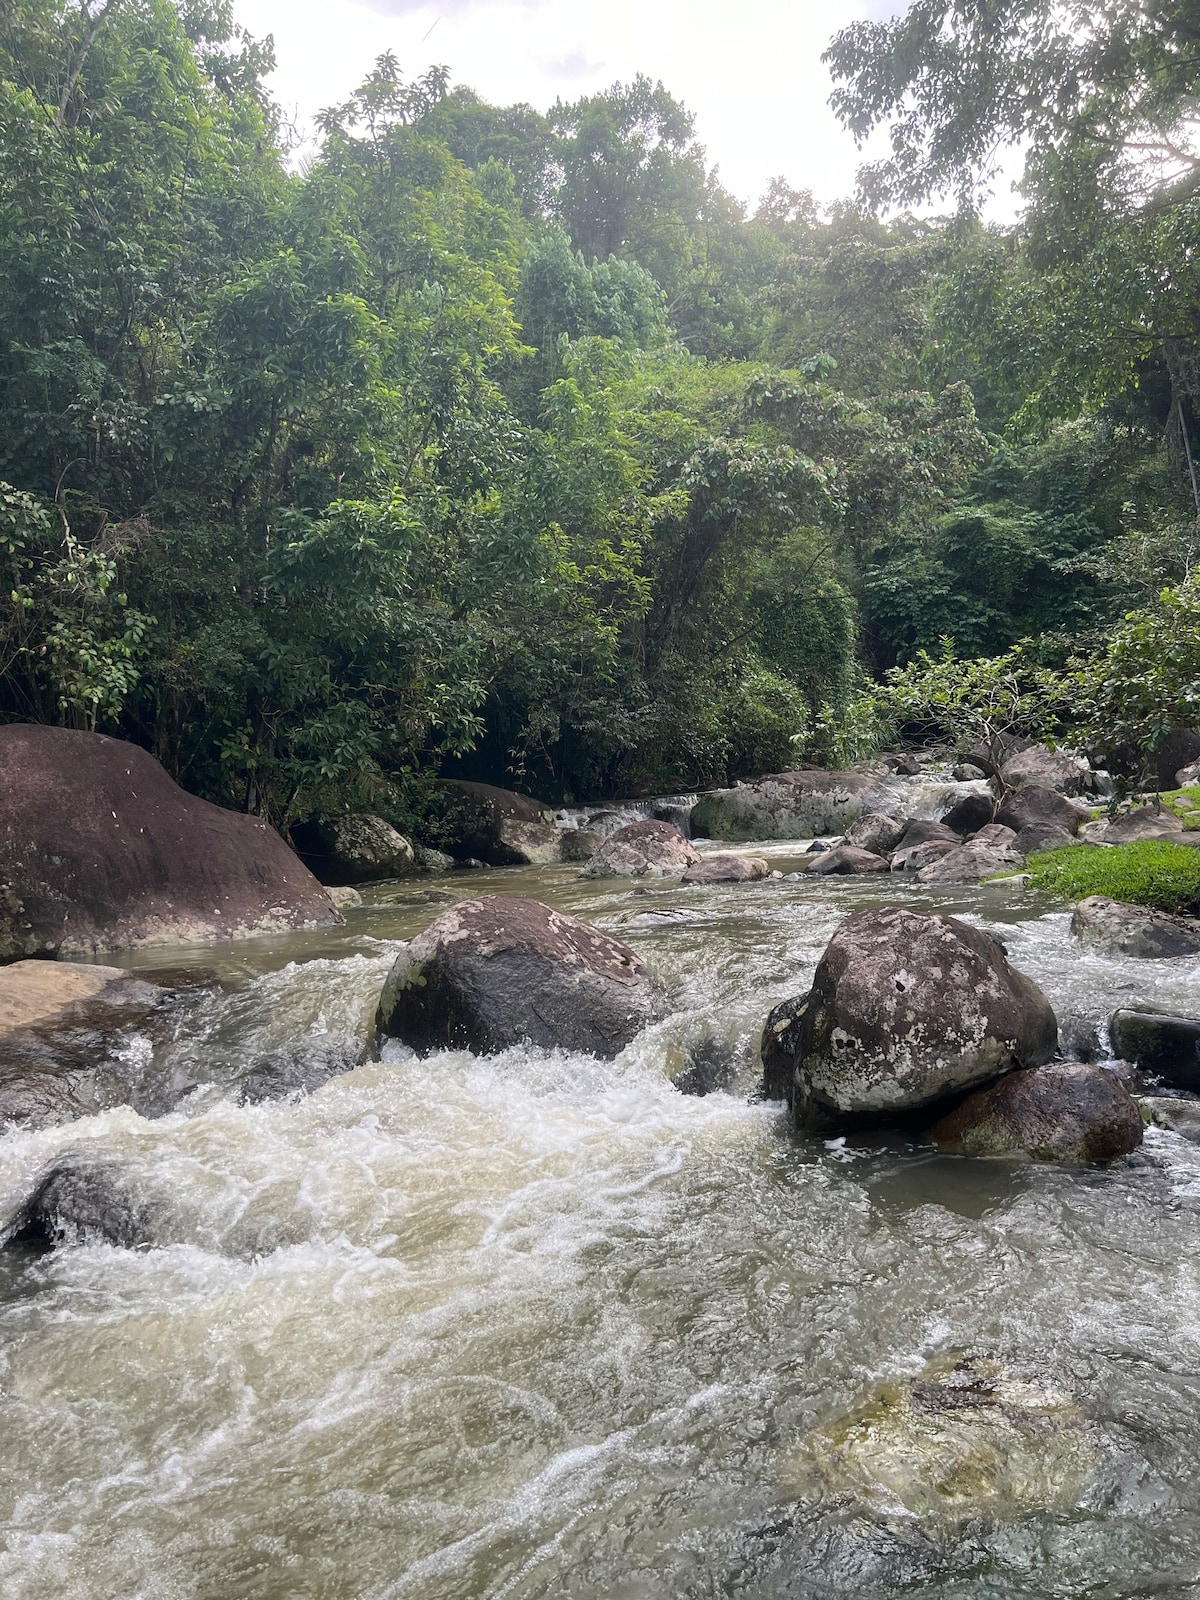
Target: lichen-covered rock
{"x":906,"y":1009}
{"x":847,"y":861}
{"x":101,"y":850}
{"x":491,"y":973}
{"x":498,"y":826}
{"x":972,"y":862}
{"x":427,"y":859}
{"x":1040,"y":768}
{"x":916,"y":857}
{"x":728,"y":869}
{"x":344,"y":897}
{"x":1038,"y":807}
{"x":1145,"y":822}
{"x":875,"y":832}
{"x":357,"y":848}
{"x":787,"y":805}
{"x":968,"y":772}
{"x":968,"y":1441}
{"x":1111,"y":927}
{"x":643,"y":850}
{"x":1066,"y":1111}
{"x":579,"y":844}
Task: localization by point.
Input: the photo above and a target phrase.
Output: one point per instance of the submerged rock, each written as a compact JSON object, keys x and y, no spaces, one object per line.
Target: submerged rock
{"x":787,"y":805}
{"x":82,"y":1200}
{"x":494,"y":972}
{"x":1176,"y":1116}
{"x":101,"y":850}
{"x":905,"y":1009}
{"x":711,"y":1068}
{"x":967,"y":1441}
{"x":1066,"y":1111}
{"x":875,"y":832}
{"x":643,"y":850}
{"x":67,"y":1040}
{"x":728,"y":869}
{"x":846,"y":860}
{"x":1111,"y":927}
{"x":1165,"y":1046}
{"x":359,"y":848}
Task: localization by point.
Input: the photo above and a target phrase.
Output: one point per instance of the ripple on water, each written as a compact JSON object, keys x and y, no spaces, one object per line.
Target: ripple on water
{"x":540,"y":1325}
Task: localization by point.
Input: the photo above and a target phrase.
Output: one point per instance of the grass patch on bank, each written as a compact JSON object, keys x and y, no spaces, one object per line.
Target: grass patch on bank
{"x":1153,"y":873}
{"x":1186,"y":804}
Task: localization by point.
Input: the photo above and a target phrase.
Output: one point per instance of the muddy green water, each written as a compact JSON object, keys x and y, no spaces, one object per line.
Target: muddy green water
{"x":541,"y":1326}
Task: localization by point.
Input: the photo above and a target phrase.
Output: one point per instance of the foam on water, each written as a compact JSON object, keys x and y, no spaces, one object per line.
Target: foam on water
{"x":540,"y":1325}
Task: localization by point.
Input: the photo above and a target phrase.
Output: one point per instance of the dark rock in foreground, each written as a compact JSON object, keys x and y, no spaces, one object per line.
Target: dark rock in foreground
{"x":100,"y":850}
{"x":1165,"y":1046}
{"x":643,"y":850}
{"x":906,"y":1009}
{"x":1066,"y":1111}
{"x":1111,"y":927}
{"x":494,"y":972}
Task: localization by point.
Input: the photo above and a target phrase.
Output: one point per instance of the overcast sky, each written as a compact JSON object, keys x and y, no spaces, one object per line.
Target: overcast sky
{"x":750,"y":70}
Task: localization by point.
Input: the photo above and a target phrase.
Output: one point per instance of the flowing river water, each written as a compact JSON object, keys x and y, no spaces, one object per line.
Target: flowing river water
{"x":542,"y":1326}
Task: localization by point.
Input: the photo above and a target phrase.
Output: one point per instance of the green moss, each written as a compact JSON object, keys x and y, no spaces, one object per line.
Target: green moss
{"x":1153,"y":873}
{"x":1186,"y":803}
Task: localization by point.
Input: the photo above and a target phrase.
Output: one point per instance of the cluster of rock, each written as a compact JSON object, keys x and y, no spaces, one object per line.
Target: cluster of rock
{"x":917,"y":1017}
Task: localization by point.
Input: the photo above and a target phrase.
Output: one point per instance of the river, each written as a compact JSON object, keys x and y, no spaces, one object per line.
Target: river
{"x":543,"y":1326}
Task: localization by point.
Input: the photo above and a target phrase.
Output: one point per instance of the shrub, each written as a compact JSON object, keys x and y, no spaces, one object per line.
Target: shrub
{"x":1153,"y":873}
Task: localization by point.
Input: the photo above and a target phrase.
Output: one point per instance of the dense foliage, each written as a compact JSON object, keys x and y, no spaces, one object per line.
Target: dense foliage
{"x":510,"y":444}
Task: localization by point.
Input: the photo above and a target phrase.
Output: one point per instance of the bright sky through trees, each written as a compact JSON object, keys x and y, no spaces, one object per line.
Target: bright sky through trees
{"x":751,"y":72}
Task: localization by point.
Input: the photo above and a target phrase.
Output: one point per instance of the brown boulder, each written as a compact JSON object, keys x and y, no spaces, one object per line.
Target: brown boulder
{"x":498,"y":826}
{"x":494,"y":972}
{"x":728,"y":869}
{"x":1037,"y":807}
{"x":905,"y":1009}
{"x":924,"y":832}
{"x":101,"y":850}
{"x":643,"y":850}
{"x":971,"y":863}
{"x":845,"y":859}
{"x":358,"y":848}
{"x":973,"y":811}
{"x":1066,"y":1111}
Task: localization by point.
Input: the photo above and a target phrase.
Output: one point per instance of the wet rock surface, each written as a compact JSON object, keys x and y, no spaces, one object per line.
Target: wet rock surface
{"x":359,"y":848}
{"x":992,"y":851}
{"x":82,"y":1200}
{"x":1164,"y":1046}
{"x":787,"y":805}
{"x":496,"y":971}
{"x":727,"y":869}
{"x":643,"y":850}
{"x":101,"y":850}
{"x":916,"y":857}
{"x":906,"y":1009}
{"x":968,"y":1440}
{"x":1112,"y":927}
{"x":1065,"y":1111}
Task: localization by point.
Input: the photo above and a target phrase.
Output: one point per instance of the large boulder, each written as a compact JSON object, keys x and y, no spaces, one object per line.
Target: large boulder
{"x":922,"y":831}
{"x":990,"y":753}
{"x":494,"y":972}
{"x":357,"y":848}
{"x":65,"y":1032}
{"x":498,"y":826}
{"x":875,"y":832}
{"x":1113,"y":928}
{"x":643,"y":850}
{"x":787,"y":805}
{"x":846,"y":861}
{"x":1145,"y":822}
{"x":983,"y":857}
{"x":906,"y":1009}
{"x":728,"y":869}
{"x":1164,"y":1046}
{"x":1035,"y":807}
{"x":1066,"y":1111}
{"x":1040,"y":768}
{"x":101,"y":850}
{"x":1178,"y":748}
{"x":968,"y":815}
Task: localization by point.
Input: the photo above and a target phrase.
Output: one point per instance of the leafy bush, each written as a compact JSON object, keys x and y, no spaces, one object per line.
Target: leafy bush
{"x":1153,"y":873}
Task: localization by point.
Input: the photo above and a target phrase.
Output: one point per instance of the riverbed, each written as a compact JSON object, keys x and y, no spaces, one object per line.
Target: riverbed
{"x":541,"y":1326}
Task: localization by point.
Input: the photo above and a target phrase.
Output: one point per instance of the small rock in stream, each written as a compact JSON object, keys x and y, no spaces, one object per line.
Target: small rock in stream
{"x":1065,"y":1111}
{"x":81,"y":1200}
